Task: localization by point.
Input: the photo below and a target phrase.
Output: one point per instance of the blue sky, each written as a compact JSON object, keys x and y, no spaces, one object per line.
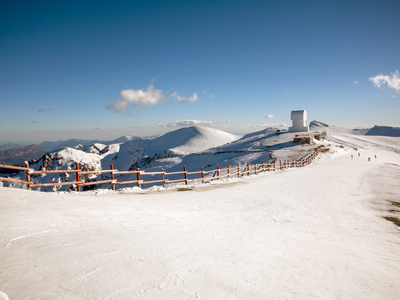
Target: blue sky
{"x":102,"y":69}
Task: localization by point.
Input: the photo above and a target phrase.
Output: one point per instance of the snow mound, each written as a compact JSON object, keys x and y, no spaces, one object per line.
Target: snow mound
{"x":197,"y":139}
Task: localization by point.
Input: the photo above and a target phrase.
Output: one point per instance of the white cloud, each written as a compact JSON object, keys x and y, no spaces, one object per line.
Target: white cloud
{"x":355,"y":82}
{"x":194,"y":98}
{"x":185,"y":123}
{"x":392,"y":81}
{"x":270,"y":116}
{"x":175,"y":96}
{"x":140,"y":98}
{"x":99,"y":128}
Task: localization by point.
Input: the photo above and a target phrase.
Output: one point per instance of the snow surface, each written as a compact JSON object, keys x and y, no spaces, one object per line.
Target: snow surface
{"x":309,"y":233}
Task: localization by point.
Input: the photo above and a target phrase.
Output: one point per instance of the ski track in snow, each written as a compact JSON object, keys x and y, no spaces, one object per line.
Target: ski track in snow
{"x":25,"y":236}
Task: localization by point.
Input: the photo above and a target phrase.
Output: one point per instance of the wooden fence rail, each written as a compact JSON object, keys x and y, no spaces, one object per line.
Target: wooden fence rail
{"x":217,"y":174}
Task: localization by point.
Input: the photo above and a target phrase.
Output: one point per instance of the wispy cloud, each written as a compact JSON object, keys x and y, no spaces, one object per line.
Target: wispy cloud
{"x":144,"y":97}
{"x":271,"y":125}
{"x":270,"y":116}
{"x":185,"y":123}
{"x":355,"y":82}
{"x":392,"y":81}
{"x":208,"y":94}
{"x":99,"y":128}
{"x":42,"y":110}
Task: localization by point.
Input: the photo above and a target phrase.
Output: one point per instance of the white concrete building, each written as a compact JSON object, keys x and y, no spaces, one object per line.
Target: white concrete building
{"x":298,"y":118}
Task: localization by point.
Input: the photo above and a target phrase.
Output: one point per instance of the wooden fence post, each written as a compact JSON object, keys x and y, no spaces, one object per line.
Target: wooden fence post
{"x":112,"y":177}
{"x":262,"y":166}
{"x":202,"y":175}
{"x":274,"y":166}
{"x":163,"y":177}
{"x":138,"y":177}
{"x":248,"y":169}
{"x":238,"y":170}
{"x":255,"y":168}
{"x":218,"y":176}
{"x":185,"y":173}
{"x":280,"y":165}
{"x":77,"y":177}
{"x":228,"y":170}
{"x":27,"y":175}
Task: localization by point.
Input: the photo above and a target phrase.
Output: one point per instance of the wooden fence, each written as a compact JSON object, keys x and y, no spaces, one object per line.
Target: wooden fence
{"x":186,"y":176}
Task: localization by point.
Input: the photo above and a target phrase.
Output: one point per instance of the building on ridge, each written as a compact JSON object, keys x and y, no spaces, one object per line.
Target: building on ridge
{"x":298,"y":118}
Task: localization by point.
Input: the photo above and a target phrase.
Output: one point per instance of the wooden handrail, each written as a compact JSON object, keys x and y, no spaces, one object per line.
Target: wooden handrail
{"x":14,"y":180}
{"x":217,"y":173}
{"x":16,"y":168}
{"x":54,"y":172}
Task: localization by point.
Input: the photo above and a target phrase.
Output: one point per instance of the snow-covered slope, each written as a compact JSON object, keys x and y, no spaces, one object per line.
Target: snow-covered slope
{"x":384,"y":140}
{"x":197,"y":139}
{"x":319,"y":232}
{"x":264,"y":145}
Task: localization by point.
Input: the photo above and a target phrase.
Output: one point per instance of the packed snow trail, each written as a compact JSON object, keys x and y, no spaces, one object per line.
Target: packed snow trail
{"x":314,"y":232}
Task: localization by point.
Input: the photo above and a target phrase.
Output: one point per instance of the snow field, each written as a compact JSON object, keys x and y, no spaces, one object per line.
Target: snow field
{"x":303,"y":233}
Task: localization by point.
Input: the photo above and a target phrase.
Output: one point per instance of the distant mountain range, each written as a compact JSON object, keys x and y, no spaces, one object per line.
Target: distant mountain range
{"x":15,"y":154}
{"x":10,"y":146}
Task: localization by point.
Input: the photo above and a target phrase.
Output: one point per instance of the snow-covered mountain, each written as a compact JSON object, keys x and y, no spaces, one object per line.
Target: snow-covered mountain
{"x":324,"y":231}
{"x":193,"y":147}
{"x":311,"y":232}
{"x":384,"y":131}
{"x":135,"y":153}
{"x":76,"y":143}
